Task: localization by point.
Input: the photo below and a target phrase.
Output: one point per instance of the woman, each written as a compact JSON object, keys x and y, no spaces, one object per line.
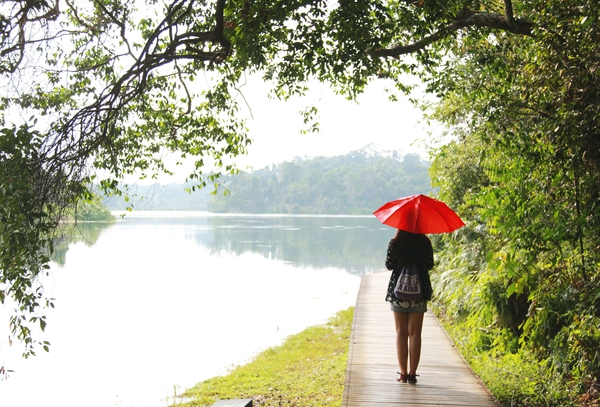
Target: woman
{"x":409,"y":248}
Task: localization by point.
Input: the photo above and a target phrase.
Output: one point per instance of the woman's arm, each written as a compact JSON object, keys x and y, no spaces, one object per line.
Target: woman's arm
{"x":391,"y":259}
{"x":427,"y":254}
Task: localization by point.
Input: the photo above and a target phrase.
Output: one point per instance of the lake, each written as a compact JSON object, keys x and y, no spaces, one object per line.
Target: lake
{"x":158,"y":301}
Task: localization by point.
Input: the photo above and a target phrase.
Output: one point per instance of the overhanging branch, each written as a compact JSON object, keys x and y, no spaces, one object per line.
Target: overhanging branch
{"x":92,"y":126}
{"x":16,"y":33}
{"x":464,"y":20}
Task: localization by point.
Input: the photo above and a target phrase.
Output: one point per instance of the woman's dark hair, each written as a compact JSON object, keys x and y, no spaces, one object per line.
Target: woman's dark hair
{"x":412,"y":247}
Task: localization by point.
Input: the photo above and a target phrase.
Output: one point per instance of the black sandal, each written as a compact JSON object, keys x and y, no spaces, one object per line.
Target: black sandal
{"x":402,"y":378}
{"x":411,"y":378}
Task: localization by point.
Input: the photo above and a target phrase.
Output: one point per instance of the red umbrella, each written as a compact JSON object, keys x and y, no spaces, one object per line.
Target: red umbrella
{"x":419,"y":214}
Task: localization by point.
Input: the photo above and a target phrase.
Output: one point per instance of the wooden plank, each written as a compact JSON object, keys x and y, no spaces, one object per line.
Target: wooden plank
{"x":444,"y":377}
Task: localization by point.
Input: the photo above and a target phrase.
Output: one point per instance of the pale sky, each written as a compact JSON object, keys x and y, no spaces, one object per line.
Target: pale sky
{"x":275,"y":126}
{"x":344,"y":126}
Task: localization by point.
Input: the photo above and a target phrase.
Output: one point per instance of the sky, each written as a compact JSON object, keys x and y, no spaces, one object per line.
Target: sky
{"x":275,"y":126}
{"x":344,"y":126}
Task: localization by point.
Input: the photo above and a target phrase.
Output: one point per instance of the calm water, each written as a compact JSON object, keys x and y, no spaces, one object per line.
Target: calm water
{"x":158,"y":301}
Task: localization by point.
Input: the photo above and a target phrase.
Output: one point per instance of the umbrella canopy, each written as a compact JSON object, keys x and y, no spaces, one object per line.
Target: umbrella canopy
{"x":419,"y":214}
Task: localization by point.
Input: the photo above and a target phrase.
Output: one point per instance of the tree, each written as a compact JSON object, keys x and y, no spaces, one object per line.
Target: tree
{"x":116,"y":86}
{"x":524,"y":167}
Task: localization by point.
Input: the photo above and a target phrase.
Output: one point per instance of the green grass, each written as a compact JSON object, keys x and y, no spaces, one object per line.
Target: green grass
{"x":516,"y":379}
{"x":519,"y":380}
{"x":309,"y":369}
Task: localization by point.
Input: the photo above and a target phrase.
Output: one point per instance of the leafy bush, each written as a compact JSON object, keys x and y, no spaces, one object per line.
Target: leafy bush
{"x":93,"y":210}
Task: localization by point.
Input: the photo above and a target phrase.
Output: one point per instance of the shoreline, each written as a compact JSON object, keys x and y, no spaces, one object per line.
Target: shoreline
{"x":308,"y":368}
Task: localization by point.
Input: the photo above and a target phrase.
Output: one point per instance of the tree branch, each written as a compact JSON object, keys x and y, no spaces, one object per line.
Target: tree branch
{"x":508,"y":10}
{"x":466,"y":19}
{"x":120,"y":24}
{"x":19,"y":19}
{"x":81,"y":135}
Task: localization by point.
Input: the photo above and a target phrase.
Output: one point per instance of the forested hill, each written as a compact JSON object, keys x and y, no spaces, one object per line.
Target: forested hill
{"x":355,"y":183}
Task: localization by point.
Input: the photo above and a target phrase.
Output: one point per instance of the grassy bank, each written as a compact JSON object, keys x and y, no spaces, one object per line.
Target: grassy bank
{"x":307,"y":370}
{"x":517,"y":378}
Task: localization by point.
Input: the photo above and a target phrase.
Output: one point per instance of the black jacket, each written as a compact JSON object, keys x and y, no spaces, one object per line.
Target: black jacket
{"x":406,"y":249}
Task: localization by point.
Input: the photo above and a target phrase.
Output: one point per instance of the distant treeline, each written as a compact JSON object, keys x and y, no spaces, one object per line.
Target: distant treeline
{"x":355,"y":183}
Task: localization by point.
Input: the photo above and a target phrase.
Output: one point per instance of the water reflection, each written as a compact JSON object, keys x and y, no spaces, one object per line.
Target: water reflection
{"x":148,"y":304}
{"x":86,"y":232}
{"x":356,"y":244}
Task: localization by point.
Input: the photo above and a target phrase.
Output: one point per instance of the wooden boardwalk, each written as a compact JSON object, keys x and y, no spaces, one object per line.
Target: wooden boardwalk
{"x":444,"y":378}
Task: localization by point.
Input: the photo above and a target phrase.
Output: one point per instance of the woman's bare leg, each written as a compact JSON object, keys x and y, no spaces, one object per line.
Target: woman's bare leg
{"x":402,"y":333}
{"x":415,"y":326}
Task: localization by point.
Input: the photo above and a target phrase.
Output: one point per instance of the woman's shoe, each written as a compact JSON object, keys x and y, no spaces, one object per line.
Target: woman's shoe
{"x":402,"y":378}
{"x":411,"y":378}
